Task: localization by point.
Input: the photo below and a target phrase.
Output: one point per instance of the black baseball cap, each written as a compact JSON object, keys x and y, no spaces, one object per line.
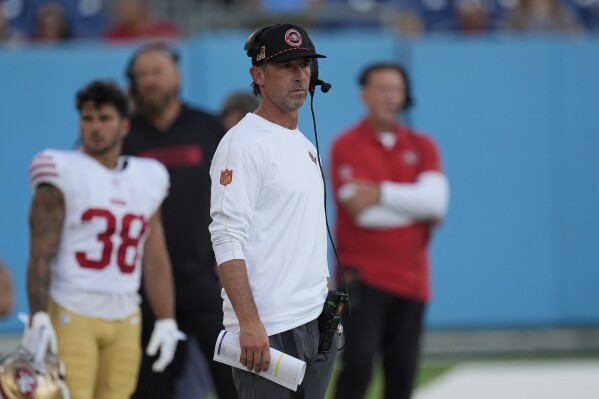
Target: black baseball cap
{"x":281,"y":42}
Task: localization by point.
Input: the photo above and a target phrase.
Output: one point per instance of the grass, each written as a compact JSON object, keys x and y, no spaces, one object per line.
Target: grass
{"x":427,"y":373}
{"x":432,"y":368}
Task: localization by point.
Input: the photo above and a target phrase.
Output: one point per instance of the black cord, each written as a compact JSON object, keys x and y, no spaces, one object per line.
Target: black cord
{"x":326,"y":219}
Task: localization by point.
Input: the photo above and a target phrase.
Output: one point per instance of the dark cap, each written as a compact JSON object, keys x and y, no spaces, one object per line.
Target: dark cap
{"x":278,"y":43}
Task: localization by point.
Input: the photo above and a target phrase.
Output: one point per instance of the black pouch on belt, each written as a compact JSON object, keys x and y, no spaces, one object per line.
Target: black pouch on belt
{"x":328,"y":321}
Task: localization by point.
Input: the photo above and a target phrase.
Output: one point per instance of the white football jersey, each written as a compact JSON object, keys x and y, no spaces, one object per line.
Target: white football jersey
{"x":106,"y":220}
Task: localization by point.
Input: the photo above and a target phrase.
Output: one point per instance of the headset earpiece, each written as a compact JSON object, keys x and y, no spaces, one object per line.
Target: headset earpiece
{"x":313,"y":74}
{"x":314,"y":81}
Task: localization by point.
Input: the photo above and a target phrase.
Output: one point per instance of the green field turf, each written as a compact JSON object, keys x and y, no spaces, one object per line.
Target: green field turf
{"x":427,"y":373}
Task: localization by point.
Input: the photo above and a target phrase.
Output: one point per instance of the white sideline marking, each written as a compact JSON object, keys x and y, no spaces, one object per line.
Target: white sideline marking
{"x":516,"y":380}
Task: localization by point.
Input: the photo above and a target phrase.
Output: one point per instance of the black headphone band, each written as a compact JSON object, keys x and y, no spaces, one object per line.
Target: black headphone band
{"x":252,"y":45}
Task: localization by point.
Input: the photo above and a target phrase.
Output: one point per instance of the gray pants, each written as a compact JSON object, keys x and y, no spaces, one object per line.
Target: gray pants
{"x":319,"y":367}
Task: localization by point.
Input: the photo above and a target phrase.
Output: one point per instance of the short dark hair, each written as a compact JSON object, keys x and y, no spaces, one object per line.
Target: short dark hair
{"x":365,"y":75}
{"x":254,"y":85}
{"x":255,"y":89}
{"x":243,"y":102}
{"x":103,"y":92}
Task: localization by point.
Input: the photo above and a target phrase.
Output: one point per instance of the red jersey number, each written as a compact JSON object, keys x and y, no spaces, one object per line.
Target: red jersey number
{"x":128,"y":244}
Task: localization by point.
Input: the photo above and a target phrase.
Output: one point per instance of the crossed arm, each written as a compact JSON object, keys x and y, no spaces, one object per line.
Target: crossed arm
{"x":389,"y":204}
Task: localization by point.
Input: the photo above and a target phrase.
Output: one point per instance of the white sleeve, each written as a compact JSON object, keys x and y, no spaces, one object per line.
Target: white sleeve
{"x":48,"y":167}
{"x":425,"y":199}
{"x":382,"y":217}
{"x":235,"y":176}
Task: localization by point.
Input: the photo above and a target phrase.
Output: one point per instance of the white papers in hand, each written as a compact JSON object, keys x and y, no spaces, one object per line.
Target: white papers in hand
{"x":284,"y":369}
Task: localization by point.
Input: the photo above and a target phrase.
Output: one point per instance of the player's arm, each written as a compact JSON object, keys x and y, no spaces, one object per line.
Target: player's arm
{"x":46,"y":218}
{"x":157,"y":274}
{"x":6,"y":293}
{"x":255,"y":346}
{"x":159,"y":288}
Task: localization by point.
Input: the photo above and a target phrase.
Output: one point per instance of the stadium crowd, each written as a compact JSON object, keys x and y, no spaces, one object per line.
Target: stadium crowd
{"x":50,"y":21}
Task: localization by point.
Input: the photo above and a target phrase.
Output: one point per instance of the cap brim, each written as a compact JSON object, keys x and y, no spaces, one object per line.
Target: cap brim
{"x":291,"y":55}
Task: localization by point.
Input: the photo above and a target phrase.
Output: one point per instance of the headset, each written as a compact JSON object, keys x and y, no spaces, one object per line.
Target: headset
{"x":154,"y":46}
{"x":253,"y":45}
{"x":314,"y":81}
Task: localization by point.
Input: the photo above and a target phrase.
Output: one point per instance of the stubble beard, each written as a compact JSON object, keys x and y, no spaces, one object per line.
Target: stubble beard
{"x":101,"y":150}
{"x":150,"y":106}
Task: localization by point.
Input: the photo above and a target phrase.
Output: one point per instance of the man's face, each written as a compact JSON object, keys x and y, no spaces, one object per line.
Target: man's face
{"x":156,"y":80}
{"x":285,"y":84}
{"x":102,"y":128}
{"x":384,"y":94}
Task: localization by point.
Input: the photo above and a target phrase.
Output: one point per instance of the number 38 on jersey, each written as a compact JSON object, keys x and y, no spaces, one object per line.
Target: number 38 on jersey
{"x":125,"y":235}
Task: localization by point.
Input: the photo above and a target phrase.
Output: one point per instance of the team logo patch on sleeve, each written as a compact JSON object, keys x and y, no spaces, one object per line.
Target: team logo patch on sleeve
{"x":226,"y":177}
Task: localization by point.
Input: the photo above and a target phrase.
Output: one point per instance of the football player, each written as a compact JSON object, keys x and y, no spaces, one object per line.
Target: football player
{"x":94,"y":216}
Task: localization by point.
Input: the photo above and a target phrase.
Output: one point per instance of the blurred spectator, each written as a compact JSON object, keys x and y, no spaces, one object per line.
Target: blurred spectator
{"x":438,"y":15}
{"x":184,"y":139}
{"x":406,"y":22}
{"x":543,"y":16}
{"x":51,"y":24}
{"x":134,"y":20}
{"x":362,"y":14}
{"x":473,"y":16}
{"x":288,"y":6}
{"x":391,"y":194}
{"x":6,"y":294}
{"x":7,"y":34}
{"x":236,"y":106}
{"x":588,"y":12}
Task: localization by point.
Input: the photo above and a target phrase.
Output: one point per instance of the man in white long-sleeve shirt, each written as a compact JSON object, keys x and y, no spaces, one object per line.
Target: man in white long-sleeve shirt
{"x":268,"y":229}
{"x":390,"y":194}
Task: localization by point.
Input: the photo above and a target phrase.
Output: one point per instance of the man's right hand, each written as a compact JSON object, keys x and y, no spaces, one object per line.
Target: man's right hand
{"x":255,"y":347}
{"x":358,"y":195}
{"x":39,"y":336}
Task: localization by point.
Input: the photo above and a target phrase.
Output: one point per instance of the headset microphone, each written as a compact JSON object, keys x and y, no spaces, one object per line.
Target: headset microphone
{"x":324,"y":86}
{"x":314,"y":81}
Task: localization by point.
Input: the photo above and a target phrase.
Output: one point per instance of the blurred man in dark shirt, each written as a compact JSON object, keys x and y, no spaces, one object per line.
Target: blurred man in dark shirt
{"x":183,"y":139}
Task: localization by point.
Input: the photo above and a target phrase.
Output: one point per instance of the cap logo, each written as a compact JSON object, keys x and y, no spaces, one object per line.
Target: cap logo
{"x":262,"y":54}
{"x":293,"y":38}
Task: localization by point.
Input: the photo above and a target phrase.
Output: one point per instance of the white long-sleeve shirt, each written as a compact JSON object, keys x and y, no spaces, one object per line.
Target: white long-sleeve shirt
{"x":267,"y":207}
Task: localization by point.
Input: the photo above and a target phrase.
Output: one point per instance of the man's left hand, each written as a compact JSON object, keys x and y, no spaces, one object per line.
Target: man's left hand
{"x":165,"y":337}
